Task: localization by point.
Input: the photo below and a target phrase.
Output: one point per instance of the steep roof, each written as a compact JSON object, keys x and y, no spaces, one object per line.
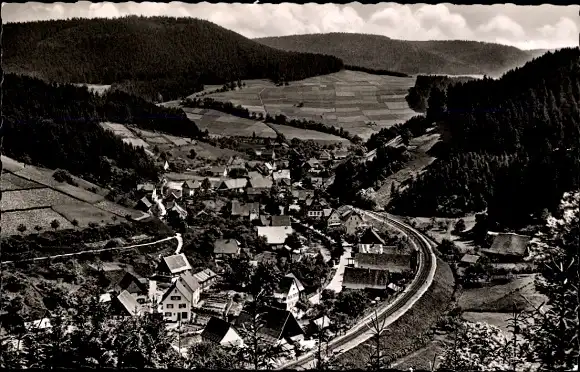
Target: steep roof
{"x":226,"y":246}
{"x":509,"y":244}
{"x":359,"y":278}
{"x":131,"y":284}
{"x":391,"y":262}
{"x":322,"y":322}
{"x":191,"y":184}
{"x":215,"y":330}
{"x":260,"y":182}
{"x":254,"y":174}
{"x":177,"y":263}
{"x":204,"y":275}
{"x":370,"y":236}
{"x":275,"y":234}
{"x":280,"y":221}
{"x":189,"y":280}
{"x":287,"y":281}
{"x":234,"y":183}
{"x":128,"y":303}
{"x":182,"y":287}
{"x":298,"y":283}
{"x":276,"y":323}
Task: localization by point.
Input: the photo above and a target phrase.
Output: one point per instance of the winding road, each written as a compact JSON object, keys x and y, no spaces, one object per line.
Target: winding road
{"x":391,"y":311}
{"x":176,"y":236}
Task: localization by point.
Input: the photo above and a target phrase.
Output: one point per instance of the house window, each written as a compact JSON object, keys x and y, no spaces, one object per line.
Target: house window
{"x":175,"y":298}
{"x":170,"y":306}
{"x":182,"y":306}
{"x":184,"y":315}
{"x":167,"y":314}
{"x":141,"y":301}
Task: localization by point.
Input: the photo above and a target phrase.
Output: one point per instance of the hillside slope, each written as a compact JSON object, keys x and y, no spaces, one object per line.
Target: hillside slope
{"x":511,"y":145}
{"x":151,"y":56}
{"x":412,"y":57}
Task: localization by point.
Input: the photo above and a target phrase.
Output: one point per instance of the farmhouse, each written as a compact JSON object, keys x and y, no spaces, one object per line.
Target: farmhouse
{"x":182,"y":213}
{"x":144,"y":205}
{"x":136,"y":287}
{"x":370,"y":242}
{"x":288,"y":293}
{"x":233,"y":184}
{"x":189,"y":187}
{"x":226,"y":247}
{"x":221,"y":332}
{"x":313,"y":165}
{"x":319,"y":323}
{"x":324,"y":156}
{"x":218,"y":171}
{"x":352,"y":222}
{"x":206,"y":278}
{"x":173,"y":265}
{"x":283,"y":174}
{"x":280,"y":326}
{"x":172,"y":187}
{"x":178,"y":300}
{"x":360,"y":278}
{"x":340,"y":154}
{"x":508,"y":247}
{"x":275,"y":235}
{"x":333,"y":219}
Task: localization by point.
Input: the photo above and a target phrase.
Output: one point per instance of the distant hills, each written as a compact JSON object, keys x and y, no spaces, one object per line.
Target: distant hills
{"x":154,"y":57}
{"x":411,"y":57}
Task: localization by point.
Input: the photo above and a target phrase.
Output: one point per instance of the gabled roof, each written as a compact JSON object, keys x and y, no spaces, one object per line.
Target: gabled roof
{"x":234,"y":183}
{"x":191,"y":184}
{"x":177,"y":263}
{"x":261,"y":182}
{"x":128,"y":303}
{"x":359,"y":278}
{"x":216,"y":329}
{"x":244,"y":210}
{"x":280,"y":221}
{"x":173,"y":185}
{"x":298,"y":283}
{"x":509,"y":244}
{"x":324,"y":155}
{"x":182,"y":287}
{"x":287,"y":281}
{"x":204,"y":275}
{"x":277,"y":323}
{"x":218,"y":169}
{"x":189,"y":281}
{"x":226,"y":246}
{"x":275,"y":234}
{"x":284,"y":182}
{"x":182,"y":212}
{"x":313,"y":162}
{"x":370,"y":236}
{"x":351,"y":214}
{"x":322,"y":322}
{"x":380,"y":261}
{"x":131,"y":284}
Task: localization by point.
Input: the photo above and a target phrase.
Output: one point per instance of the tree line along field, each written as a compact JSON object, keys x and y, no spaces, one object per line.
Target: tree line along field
{"x":33,"y":198}
{"x":347,"y":99}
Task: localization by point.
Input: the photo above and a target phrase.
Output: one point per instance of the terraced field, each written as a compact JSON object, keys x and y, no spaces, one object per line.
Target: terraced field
{"x":349,"y":99}
{"x":33,"y":198}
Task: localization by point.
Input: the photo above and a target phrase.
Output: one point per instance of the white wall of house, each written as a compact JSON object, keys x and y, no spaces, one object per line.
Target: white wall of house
{"x":232,"y":338}
{"x":176,"y":305}
{"x":370,"y":248}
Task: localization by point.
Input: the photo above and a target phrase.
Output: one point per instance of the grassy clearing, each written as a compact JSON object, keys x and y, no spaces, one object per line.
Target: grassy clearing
{"x":11,"y":182}
{"x":421,"y":359}
{"x":30,"y":218}
{"x":34,"y":198}
{"x":84,"y":213}
{"x":316,"y":97}
{"x":117,"y":209}
{"x":410,"y":332}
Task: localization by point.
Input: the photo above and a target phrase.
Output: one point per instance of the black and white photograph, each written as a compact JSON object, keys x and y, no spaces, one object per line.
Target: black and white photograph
{"x":290,"y":186}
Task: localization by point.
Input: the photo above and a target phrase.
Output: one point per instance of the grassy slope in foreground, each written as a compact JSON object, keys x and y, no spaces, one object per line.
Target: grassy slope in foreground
{"x":405,"y":335}
{"x":412,"y":57}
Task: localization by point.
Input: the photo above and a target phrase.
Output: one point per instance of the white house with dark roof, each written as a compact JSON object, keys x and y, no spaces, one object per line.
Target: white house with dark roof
{"x":233,"y":184}
{"x":370,"y":242}
{"x":173,"y":265}
{"x":221,"y":332}
{"x":279,"y":325}
{"x":219,"y":171}
{"x":288,"y":293}
{"x":178,"y":300}
{"x":189,"y":187}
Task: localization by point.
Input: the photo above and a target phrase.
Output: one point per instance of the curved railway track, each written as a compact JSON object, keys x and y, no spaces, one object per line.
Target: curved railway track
{"x":419,"y":285}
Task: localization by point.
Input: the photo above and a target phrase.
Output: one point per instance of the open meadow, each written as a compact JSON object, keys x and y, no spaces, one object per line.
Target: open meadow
{"x":360,"y":103}
{"x":33,"y":198}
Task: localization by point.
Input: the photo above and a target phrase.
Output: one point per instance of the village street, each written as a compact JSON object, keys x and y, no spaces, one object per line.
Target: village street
{"x":336,"y":282}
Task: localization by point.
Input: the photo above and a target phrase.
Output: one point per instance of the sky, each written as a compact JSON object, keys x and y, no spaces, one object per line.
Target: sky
{"x":525,"y":27}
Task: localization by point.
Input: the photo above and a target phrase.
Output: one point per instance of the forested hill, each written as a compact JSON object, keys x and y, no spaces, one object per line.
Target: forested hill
{"x":57,"y":126}
{"x":149,"y":55}
{"x":511,"y":145}
{"x":411,"y":57}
